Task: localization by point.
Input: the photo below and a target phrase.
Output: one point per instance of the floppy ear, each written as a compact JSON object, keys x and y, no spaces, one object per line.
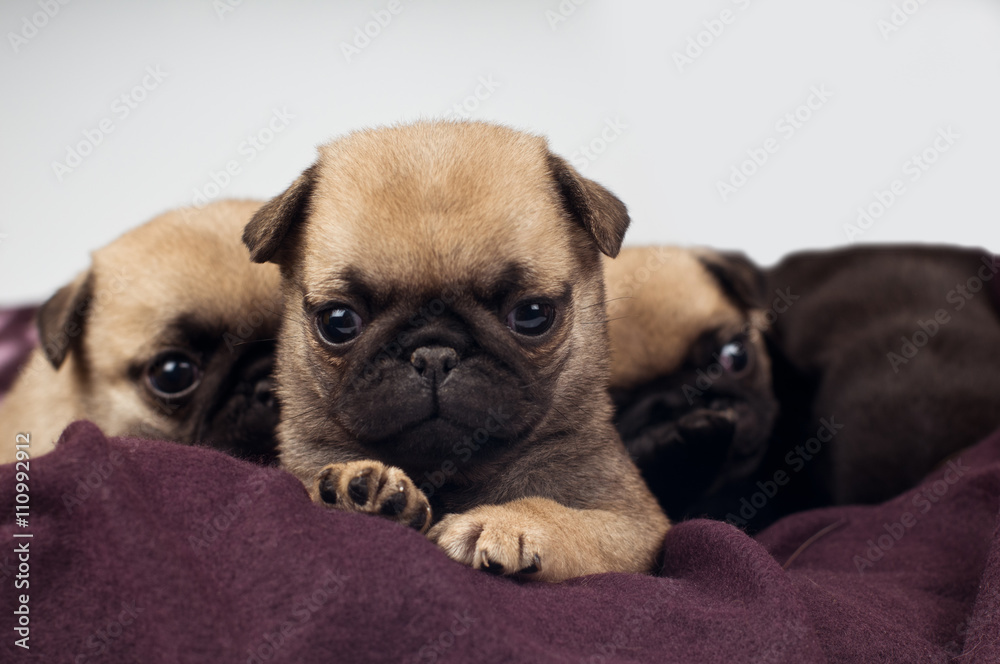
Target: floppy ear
{"x":738,"y":277}
{"x":61,"y":318}
{"x":601,"y":213}
{"x":269,"y":227}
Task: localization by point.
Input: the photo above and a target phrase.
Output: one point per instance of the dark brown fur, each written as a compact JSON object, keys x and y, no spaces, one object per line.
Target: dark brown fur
{"x":832,"y":354}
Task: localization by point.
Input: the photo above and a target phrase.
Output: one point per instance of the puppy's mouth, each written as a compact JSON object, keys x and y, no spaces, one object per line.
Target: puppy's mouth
{"x":688,"y":445}
{"x":242,"y":419}
{"x":434,"y":406}
{"x":437,"y":424}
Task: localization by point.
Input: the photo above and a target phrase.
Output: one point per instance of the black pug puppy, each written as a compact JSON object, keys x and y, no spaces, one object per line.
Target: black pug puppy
{"x":834,"y":377}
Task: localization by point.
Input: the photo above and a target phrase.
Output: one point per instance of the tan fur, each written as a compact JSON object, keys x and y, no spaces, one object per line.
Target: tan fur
{"x":660,"y":300}
{"x":184,"y":261}
{"x":438,"y":210}
{"x":542,"y":533}
{"x":363,"y":186}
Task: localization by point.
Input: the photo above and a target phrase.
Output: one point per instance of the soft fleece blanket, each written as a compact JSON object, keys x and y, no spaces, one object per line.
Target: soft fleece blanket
{"x":147,"y":551}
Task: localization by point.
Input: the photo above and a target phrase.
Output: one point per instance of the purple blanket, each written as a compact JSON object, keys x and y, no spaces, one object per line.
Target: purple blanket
{"x":144,"y":551}
{"x":18,"y":336}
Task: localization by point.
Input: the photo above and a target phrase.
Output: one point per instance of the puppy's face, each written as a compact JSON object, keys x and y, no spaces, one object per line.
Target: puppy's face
{"x":691,"y":376}
{"x":443,"y":286}
{"x":170,"y":333}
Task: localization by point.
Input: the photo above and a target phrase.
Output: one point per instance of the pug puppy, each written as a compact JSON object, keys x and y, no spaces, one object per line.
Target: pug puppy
{"x":168,"y":335}
{"x":443,"y":360}
{"x":865,"y":369}
{"x":690,"y":371}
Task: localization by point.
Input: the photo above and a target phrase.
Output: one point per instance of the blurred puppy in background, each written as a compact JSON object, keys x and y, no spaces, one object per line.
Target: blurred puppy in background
{"x":881,"y":361}
{"x":690,"y":371}
{"x":169,"y":335}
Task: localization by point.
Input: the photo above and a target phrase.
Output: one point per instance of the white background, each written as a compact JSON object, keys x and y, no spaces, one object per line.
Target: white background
{"x":685,"y":127}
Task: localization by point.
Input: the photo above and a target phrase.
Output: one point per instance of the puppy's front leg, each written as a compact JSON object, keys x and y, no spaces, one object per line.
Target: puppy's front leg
{"x":549,"y":541}
{"x":372,"y":487}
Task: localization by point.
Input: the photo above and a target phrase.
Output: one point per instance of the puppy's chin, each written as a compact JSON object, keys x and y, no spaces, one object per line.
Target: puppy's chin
{"x":434,"y":439}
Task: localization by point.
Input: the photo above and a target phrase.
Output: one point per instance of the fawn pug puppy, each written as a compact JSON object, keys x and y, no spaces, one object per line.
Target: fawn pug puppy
{"x":445,"y":325}
{"x":169,"y":334}
{"x":690,"y":371}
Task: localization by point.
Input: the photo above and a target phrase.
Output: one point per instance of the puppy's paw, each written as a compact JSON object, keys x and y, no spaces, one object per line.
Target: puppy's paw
{"x":372,"y":487}
{"x":494,"y":539}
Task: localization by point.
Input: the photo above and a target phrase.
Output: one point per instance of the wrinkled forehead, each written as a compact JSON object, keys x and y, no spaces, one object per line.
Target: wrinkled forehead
{"x":148,"y":285}
{"x":661,"y":302}
{"x":440,"y":204}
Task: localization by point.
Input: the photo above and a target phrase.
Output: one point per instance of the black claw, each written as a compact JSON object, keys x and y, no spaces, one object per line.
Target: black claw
{"x":534,"y":567}
{"x":395,"y":504}
{"x":357,"y":488}
{"x":492,"y":567}
{"x":328,"y":490}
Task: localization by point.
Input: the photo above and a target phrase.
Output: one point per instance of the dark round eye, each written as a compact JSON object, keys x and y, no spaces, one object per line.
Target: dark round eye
{"x":338,"y":325}
{"x":532,"y":318}
{"x":734,"y":357}
{"x":173,"y":374}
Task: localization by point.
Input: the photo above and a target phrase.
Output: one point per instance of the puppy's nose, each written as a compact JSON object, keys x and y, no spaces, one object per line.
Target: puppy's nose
{"x":434,"y":362}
